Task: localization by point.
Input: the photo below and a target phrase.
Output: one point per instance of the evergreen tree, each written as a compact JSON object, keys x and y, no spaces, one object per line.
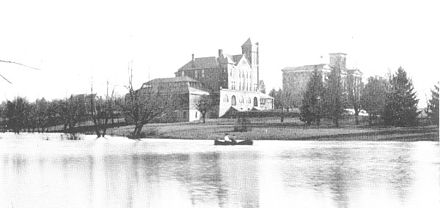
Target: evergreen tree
{"x":401,"y":102}
{"x":433,"y":105}
{"x":311,"y":104}
{"x":333,"y":98}
{"x":373,"y":97}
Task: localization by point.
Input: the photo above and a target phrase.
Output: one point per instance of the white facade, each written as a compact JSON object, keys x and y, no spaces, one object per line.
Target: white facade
{"x":243,"y":101}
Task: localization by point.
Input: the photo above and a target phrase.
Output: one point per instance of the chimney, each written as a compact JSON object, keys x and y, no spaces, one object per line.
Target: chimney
{"x":220,"y":52}
{"x":192,"y":57}
{"x":192,"y":61}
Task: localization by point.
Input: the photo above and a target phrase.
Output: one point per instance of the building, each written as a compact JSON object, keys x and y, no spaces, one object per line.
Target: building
{"x":184,"y":91}
{"x":295,"y":79}
{"x":233,"y":80}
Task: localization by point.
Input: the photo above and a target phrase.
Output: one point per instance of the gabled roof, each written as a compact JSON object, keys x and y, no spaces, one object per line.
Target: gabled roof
{"x":237,"y":58}
{"x":233,"y":59}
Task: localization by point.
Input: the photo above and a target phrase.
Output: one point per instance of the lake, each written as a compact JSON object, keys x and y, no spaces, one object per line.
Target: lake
{"x":35,"y":172}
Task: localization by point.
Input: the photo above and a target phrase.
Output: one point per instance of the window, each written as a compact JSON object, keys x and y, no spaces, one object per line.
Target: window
{"x":233,"y":101}
{"x":255,"y":101}
{"x":225,"y":99}
{"x":196,"y":114}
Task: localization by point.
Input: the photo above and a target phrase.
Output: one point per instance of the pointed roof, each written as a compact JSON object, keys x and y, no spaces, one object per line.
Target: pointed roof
{"x":247,"y":43}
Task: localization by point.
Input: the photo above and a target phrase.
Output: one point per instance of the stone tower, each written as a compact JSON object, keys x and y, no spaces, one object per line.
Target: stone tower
{"x":251,"y":53}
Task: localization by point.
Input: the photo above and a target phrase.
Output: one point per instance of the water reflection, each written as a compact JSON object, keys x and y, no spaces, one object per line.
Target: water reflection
{"x":281,"y":174}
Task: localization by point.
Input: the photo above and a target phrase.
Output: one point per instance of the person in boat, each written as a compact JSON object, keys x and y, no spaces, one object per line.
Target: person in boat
{"x":226,"y":138}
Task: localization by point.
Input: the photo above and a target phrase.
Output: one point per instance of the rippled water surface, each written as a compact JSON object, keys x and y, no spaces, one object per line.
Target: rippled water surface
{"x":181,"y":173}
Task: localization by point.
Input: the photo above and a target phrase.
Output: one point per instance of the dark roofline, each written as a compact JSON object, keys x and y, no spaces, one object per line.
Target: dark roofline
{"x":294,"y":68}
{"x":172,"y":79}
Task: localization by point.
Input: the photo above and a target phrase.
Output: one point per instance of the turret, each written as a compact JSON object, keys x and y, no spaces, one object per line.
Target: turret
{"x":251,"y":52}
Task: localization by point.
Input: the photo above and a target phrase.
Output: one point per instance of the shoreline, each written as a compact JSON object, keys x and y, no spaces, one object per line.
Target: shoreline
{"x":374,"y":136}
{"x":273,"y":130}
{"x":212,"y":132}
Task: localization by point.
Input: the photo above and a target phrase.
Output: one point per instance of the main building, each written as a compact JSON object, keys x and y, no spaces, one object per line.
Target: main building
{"x":232,"y":81}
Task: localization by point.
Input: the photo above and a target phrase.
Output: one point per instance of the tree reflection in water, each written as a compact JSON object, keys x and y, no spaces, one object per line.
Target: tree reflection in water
{"x":344,"y":171}
{"x":300,"y":174}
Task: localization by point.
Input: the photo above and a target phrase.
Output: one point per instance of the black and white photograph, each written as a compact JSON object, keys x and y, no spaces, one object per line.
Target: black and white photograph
{"x":219,"y":104}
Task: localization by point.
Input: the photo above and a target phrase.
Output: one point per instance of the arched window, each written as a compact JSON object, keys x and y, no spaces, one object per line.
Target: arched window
{"x":233,"y":101}
{"x":255,"y":101}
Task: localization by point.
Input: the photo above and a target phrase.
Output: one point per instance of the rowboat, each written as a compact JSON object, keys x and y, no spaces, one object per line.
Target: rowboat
{"x":244,"y":142}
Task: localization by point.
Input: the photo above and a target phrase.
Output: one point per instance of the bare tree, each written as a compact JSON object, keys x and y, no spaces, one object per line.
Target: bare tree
{"x":102,"y":112}
{"x":355,"y":87}
{"x":42,"y":114}
{"x":283,"y":100}
{"x":72,"y":111}
{"x":16,"y":114}
{"x":203,"y":105}
{"x":145,"y":104}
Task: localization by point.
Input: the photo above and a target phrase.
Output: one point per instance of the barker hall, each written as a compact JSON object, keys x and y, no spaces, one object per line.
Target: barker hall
{"x":295,"y":78}
{"x":232,"y":81}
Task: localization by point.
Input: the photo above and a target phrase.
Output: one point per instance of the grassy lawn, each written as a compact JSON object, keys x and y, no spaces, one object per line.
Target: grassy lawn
{"x":290,"y":129}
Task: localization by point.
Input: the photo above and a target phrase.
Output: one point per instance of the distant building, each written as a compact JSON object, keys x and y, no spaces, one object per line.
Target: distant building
{"x":232,"y":79}
{"x":186,"y":92}
{"x":295,"y":79}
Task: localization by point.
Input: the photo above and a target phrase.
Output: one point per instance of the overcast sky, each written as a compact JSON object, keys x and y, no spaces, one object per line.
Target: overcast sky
{"x":78,"y":42}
